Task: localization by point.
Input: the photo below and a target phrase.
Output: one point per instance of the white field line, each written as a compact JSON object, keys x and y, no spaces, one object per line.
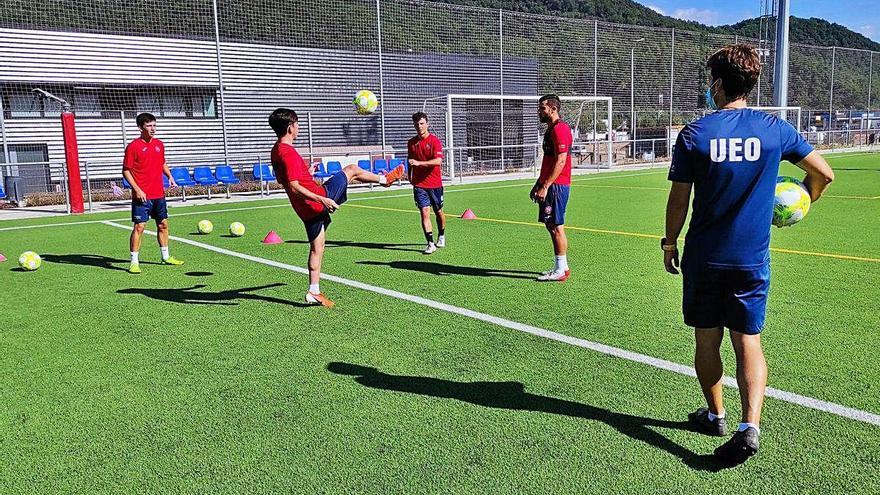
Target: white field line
{"x":792,"y":398}
{"x":285,"y":203}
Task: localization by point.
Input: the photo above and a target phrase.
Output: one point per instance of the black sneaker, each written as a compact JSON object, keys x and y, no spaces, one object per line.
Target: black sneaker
{"x":738,"y":449}
{"x":700,"y":418}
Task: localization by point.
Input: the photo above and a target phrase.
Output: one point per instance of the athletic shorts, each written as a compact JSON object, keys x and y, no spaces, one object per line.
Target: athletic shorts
{"x":735,"y":298}
{"x":142,"y":212}
{"x":426,"y":197}
{"x":552,"y":210}
{"x":336,"y":188}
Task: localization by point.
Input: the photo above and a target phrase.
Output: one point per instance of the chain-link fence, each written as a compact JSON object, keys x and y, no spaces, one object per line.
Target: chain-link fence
{"x":212,"y":71}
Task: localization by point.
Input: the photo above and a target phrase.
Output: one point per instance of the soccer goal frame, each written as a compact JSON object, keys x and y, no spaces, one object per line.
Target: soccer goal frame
{"x":450,"y":99}
{"x":783,"y":113}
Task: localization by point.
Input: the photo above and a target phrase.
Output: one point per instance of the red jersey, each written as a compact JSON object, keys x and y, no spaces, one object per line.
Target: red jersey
{"x":557,"y":140}
{"x":289,"y":166}
{"x":425,"y":150}
{"x":146,"y":162}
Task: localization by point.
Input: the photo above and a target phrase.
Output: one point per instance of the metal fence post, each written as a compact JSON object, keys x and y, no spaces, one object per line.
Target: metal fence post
{"x":381,"y":75}
{"x":671,"y":93}
{"x":88,"y":186}
{"x":831,"y":95}
{"x":501,"y":67}
{"x":220,"y":81}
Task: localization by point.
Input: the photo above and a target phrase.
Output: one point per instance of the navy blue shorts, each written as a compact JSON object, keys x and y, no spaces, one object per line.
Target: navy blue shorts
{"x":156,"y":209}
{"x":336,"y":188}
{"x":735,"y":298}
{"x":426,"y":197}
{"x":552,"y":210}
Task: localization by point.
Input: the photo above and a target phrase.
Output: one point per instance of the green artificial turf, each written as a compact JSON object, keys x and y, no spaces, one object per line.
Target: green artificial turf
{"x":214,"y":378}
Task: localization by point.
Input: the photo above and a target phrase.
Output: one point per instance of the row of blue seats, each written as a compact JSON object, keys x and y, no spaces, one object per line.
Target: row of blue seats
{"x":202,"y":176}
{"x":377,"y":166}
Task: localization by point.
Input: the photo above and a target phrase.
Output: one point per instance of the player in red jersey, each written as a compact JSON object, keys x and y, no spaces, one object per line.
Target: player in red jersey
{"x":143,"y":167}
{"x":425,"y":152}
{"x":552,"y":187}
{"x":313,"y":202}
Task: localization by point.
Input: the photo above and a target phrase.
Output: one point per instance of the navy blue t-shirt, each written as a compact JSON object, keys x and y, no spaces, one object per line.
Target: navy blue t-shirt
{"x":732,"y":158}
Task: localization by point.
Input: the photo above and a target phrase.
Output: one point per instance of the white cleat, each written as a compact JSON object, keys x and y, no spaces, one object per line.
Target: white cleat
{"x":429,"y":249}
{"x":441,"y":241}
{"x":555,"y":276}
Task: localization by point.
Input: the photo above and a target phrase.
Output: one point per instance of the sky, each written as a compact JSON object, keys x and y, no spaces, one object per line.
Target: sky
{"x":862,"y":16}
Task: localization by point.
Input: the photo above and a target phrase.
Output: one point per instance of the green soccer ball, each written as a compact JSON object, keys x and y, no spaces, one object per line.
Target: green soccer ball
{"x":29,"y":261}
{"x":365,"y":102}
{"x":236,"y":229}
{"x":792,"y":202}
{"x":206,"y":227}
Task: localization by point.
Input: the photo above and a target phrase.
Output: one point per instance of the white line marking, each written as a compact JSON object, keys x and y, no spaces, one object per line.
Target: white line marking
{"x":800,"y":400}
{"x":172,"y":214}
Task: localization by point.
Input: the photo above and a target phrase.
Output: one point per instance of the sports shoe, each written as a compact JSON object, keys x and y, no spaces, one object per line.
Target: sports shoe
{"x":441,"y":241}
{"x":319,"y":299}
{"x":429,"y":249}
{"x":134,"y":268}
{"x":172,"y":261}
{"x":738,"y":449}
{"x":700,"y":418}
{"x":393,"y":176}
{"x":555,"y":276}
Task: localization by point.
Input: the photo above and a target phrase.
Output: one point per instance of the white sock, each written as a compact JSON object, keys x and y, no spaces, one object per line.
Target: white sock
{"x":382,"y":179}
{"x":745,"y":426}
{"x":315,"y":288}
{"x":164,"y":251}
{"x":713,"y":417}
{"x":134,"y":257}
{"x":561,"y":263}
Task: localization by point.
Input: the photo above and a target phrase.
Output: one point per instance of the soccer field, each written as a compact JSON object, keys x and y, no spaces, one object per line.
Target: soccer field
{"x":449,"y":373}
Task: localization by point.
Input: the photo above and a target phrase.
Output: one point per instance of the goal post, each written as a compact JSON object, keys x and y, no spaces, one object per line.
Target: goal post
{"x":493,"y":133}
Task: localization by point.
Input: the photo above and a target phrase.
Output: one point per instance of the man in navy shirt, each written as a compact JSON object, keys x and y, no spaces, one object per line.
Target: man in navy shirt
{"x":730,"y":158}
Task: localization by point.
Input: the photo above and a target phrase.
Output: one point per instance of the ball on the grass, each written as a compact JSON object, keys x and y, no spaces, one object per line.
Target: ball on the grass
{"x":365,"y":102}
{"x":792,"y":202}
{"x":29,"y":261}
{"x":236,"y":229}
{"x":205,"y":227}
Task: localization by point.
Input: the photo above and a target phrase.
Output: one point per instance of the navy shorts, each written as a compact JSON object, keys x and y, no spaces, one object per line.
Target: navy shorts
{"x":142,"y":212}
{"x":735,"y":298}
{"x":336,"y":188}
{"x":426,"y":197}
{"x":552,"y":210}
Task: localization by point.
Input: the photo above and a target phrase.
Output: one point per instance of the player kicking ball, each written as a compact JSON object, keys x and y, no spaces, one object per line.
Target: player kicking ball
{"x":551,"y":189}
{"x":143,"y":167}
{"x":312,"y":202}
{"x":425,"y":152}
{"x":730,"y":158}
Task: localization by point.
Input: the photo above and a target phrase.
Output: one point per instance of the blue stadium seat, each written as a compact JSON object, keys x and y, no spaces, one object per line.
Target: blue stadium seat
{"x":125,"y":184}
{"x":226,"y":176}
{"x":263,"y":173}
{"x":334,"y":167}
{"x":321,"y":171}
{"x":2,"y":192}
{"x":165,"y":182}
{"x":398,"y":161}
{"x":182,"y":178}
{"x":365,"y":165}
{"x":380,"y":166}
{"x":204,"y":177}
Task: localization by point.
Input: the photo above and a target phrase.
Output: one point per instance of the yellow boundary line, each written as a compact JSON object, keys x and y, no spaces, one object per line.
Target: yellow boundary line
{"x":624,"y":233}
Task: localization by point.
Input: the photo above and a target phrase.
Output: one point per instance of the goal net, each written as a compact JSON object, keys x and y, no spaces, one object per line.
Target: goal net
{"x":489,"y":134}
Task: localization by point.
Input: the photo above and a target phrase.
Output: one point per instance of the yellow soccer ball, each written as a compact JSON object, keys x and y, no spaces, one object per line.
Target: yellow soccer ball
{"x":236,"y":229}
{"x":365,"y":102}
{"x":29,"y":261}
{"x":792,"y":202}
{"x":206,"y":227}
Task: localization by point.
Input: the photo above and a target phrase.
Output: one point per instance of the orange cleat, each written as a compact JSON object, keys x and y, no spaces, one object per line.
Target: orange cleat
{"x":394,"y":176}
{"x":319,"y":299}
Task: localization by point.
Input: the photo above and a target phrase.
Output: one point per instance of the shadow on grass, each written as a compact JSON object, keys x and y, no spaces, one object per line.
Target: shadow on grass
{"x":192,"y":295}
{"x":512,"y":395}
{"x":384,"y":246}
{"x":443,"y":269}
{"x":198,"y":274}
{"x":94,"y":260}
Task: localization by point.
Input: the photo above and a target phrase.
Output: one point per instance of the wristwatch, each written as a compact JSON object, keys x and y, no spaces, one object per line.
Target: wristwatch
{"x":668,"y":247}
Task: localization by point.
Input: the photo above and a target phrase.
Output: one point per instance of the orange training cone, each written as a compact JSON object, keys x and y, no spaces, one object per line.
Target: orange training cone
{"x":468,"y":214}
{"x":2,"y":258}
{"x":272,"y":238}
